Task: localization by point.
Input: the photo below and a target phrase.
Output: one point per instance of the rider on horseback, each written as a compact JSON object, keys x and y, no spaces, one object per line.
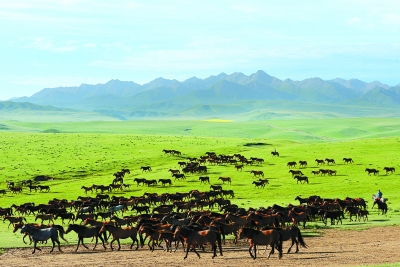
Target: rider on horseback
{"x":379,"y":195}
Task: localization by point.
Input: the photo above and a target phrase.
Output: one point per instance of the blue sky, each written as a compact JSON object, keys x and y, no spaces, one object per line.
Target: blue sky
{"x":70,"y":42}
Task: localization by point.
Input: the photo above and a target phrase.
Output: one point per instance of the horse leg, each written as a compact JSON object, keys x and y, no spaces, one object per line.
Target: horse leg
{"x":187,"y":251}
{"x":119,"y":244}
{"x":112,"y":241}
{"x":102,"y":241}
{"x":87,"y":246}
{"x":54,"y":244}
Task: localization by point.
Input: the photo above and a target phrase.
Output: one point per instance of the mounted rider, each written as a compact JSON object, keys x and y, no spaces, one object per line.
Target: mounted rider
{"x":379,"y":195}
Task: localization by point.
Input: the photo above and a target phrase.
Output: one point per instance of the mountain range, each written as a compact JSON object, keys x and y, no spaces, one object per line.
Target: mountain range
{"x":257,"y":96}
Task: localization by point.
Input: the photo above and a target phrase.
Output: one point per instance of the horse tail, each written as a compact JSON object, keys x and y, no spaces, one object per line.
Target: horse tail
{"x":219,"y":243}
{"x":300,"y":238}
{"x":280,"y":244}
{"x":61,"y":232}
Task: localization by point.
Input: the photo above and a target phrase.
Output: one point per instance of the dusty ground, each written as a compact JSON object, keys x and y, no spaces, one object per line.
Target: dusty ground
{"x":332,"y":248}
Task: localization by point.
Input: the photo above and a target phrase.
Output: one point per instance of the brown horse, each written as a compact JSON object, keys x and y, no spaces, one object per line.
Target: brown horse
{"x":320,"y":161}
{"x":238,"y":167}
{"x":257,"y":173}
{"x":296,"y":172}
{"x":266,"y":237}
{"x":193,"y":238}
{"x":13,"y":220}
{"x":298,"y":217}
{"x":291,"y":233}
{"x":225,"y":179}
{"x":259,"y":184}
{"x":118,"y":232}
{"x":389,"y":170}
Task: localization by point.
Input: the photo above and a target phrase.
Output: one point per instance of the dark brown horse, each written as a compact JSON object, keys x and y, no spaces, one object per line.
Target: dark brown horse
{"x":348,"y":160}
{"x":194,"y":238}
{"x":320,"y":161}
{"x":118,"y":232}
{"x":291,"y":164}
{"x":301,"y":179}
{"x":292,"y":233}
{"x":266,"y":237}
{"x":373,"y":171}
{"x":389,"y":170}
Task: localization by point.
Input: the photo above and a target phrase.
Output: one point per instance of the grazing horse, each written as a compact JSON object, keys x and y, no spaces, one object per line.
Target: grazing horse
{"x":274,"y":153}
{"x":43,"y":235}
{"x":204,"y":179}
{"x":266,"y":237}
{"x":118,"y":232}
{"x":193,"y":238}
{"x":257,"y":173}
{"x":301,"y":179}
{"x":85,"y":232}
{"x":389,"y":170}
{"x":225,"y":179}
{"x":291,"y":164}
{"x":165,"y":181}
{"x":348,"y":160}
{"x":146,"y":169}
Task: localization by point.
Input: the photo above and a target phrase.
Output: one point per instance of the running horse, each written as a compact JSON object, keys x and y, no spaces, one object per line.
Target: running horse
{"x":374,"y":171}
{"x":275,"y":153}
{"x":43,"y":235}
{"x":257,"y":173}
{"x":265,"y":237}
{"x":225,"y":179}
{"x":193,"y":238}
{"x":292,"y":233}
{"x":301,"y":178}
{"x":118,"y":232}
{"x":389,"y":170}
{"x":292,"y":164}
{"x":85,"y":232}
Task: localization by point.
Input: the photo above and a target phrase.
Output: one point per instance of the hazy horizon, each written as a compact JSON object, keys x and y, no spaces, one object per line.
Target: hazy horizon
{"x":49,"y":44}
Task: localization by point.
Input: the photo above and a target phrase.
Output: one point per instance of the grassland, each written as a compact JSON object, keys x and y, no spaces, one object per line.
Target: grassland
{"x":77,"y":154}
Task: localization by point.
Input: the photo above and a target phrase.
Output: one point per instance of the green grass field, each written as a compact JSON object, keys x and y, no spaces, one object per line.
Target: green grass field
{"x":78,"y":154}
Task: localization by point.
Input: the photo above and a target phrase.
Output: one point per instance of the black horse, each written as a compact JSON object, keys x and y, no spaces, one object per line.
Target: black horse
{"x":85,"y":232}
{"x":382,"y":206}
